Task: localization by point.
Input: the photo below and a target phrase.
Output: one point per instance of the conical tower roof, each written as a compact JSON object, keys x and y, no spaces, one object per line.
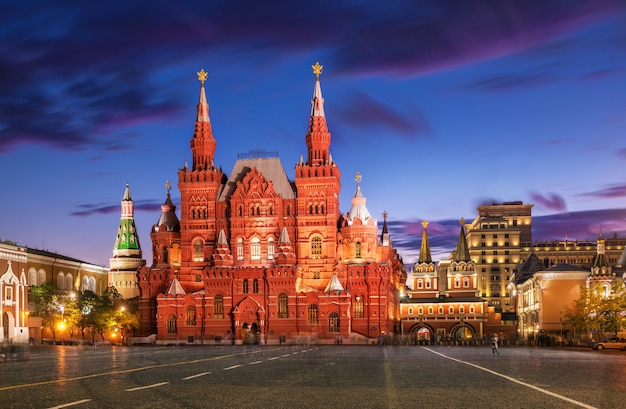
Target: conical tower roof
{"x":168,"y":221}
{"x":461,"y":252}
{"x":358,"y":209}
{"x":127,"y":237}
{"x":425,"y":256}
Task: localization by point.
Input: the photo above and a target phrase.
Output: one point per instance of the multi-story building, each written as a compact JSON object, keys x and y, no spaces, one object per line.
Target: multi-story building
{"x":495,"y":238}
{"x":257,"y":257}
{"x":22,"y":267}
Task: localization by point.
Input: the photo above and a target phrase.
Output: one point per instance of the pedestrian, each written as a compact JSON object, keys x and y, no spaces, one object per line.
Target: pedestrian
{"x":494,"y":345}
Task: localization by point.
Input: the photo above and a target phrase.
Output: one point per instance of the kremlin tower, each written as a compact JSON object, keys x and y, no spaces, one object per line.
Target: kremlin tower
{"x":126,"y":251}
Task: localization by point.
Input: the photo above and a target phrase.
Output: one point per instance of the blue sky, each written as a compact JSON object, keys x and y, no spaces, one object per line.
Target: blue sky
{"x":440,"y":105}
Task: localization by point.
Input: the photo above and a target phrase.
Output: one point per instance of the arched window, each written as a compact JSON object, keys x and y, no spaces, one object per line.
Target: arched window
{"x":92,"y":284}
{"x":333,"y":322}
{"x":283,"y":308}
{"x":245,"y":286}
{"x":420,"y":284}
{"x":255,"y":286}
{"x":190,"y":318}
{"x":61,"y":281}
{"x":69,"y":282}
{"x":288,"y":210}
{"x":171,"y":324}
{"x":466,"y":282}
{"x":255,"y":249}
{"x":316,"y":247}
{"x":270,"y":248}
{"x":240,"y":211}
{"x":450,"y":310}
{"x":461,"y":310}
{"x":357,"y":307}
{"x":440,"y":310}
{"x":312,"y":314}
{"x":457,"y":282}
{"x":472,"y":309}
{"x":430,"y":310}
{"x":218,"y":307}
{"x":420,"y":310}
{"x":427,"y":283}
{"x":239,"y":248}
{"x":84,"y":286}
{"x":32,"y":276}
{"x":358,"y":250}
{"x":271,"y":210}
{"x":41,"y":276}
{"x":198,"y":253}
{"x":164,"y":255}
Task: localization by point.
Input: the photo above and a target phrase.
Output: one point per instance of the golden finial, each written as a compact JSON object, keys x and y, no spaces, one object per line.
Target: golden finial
{"x":317,"y":69}
{"x":462,"y":221}
{"x":168,"y":186}
{"x":424,"y":224}
{"x":385,"y":214}
{"x":202,"y":75}
{"x":358,"y":178}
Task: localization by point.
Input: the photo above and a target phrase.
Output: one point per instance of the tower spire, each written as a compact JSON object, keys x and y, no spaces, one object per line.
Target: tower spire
{"x":318,"y":137}
{"x":461,"y":253}
{"x":203,"y":143}
{"x":425,"y":256}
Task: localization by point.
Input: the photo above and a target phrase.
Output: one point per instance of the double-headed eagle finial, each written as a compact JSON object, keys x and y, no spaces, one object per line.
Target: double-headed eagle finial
{"x":202,"y":75}
{"x":317,"y":69}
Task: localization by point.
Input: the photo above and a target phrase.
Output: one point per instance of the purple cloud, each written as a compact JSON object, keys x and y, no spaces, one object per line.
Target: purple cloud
{"x":552,"y":201}
{"x":608,"y":192}
{"x":362,"y":111}
{"x":85,"y":210}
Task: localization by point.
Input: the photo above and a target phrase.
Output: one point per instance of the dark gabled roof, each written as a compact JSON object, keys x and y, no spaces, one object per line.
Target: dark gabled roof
{"x":529,"y":268}
{"x":270,"y":168}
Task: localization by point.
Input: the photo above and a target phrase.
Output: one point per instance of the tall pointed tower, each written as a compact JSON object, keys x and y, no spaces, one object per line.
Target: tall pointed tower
{"x":462,"y":278}
{"x":126,"y":251}
{"x":318,"y":184}
{"x":199,"y":187}
{"x":424,"y":279}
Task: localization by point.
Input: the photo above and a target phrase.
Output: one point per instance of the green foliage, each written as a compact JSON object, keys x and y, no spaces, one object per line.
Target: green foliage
{"x":84,"y":314}
{"x":599,"y":309}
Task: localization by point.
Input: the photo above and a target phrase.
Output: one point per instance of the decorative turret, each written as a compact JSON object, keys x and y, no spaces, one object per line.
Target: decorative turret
{"x":601,"y":262}
{"x":222,"y":255}
{"x":425,"y":257}
{"x":165,"y":234}
{"x":126,"y":251}
{"x":285,"y":254}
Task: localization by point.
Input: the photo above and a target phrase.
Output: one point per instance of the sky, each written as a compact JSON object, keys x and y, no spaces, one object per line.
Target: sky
{"x":440,"y":105}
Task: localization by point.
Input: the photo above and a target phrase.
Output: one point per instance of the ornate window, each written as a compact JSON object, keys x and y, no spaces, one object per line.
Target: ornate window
{"x":466,"y":282}
{"x":358,"y":249}
{"x":171,"y":324}
{"x":283,"y":308}
{"x":270,"y":248}
{"x":312,"y":314}
{"x":218,"y":307}
{"x":316,"y":247}
{"x":420,"y":284}
{"x":239,"y":248}
{"x":190,"y":317}
{"x":457,"y":282}
{"x":357,"y":307}
{"x":198,"y":253}
{"x":333,"y":322}
{"x":255,"y":249}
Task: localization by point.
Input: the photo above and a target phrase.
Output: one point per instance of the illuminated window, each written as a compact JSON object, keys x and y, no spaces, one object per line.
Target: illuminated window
{"x":190,"y":317}
{"x":171,"y":324}
{"x":218,"y":307}
{"x":316,"y":247}
{"x":358,"y":307}
{"x":283,"y":311}
{"x":358,"y":249}
{"x":198,"y":253}
{"x":333,"y":322}
{"x":239,"y":248}
{"x":270,"y":248}
{"x":255,"y":249}
{"x":312,"y":314}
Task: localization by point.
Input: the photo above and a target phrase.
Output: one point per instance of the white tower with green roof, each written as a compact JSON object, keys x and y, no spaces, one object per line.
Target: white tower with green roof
{"x":127,"y":257}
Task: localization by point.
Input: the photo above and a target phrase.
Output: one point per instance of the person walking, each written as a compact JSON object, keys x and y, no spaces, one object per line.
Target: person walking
{"x":494,"y":345}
